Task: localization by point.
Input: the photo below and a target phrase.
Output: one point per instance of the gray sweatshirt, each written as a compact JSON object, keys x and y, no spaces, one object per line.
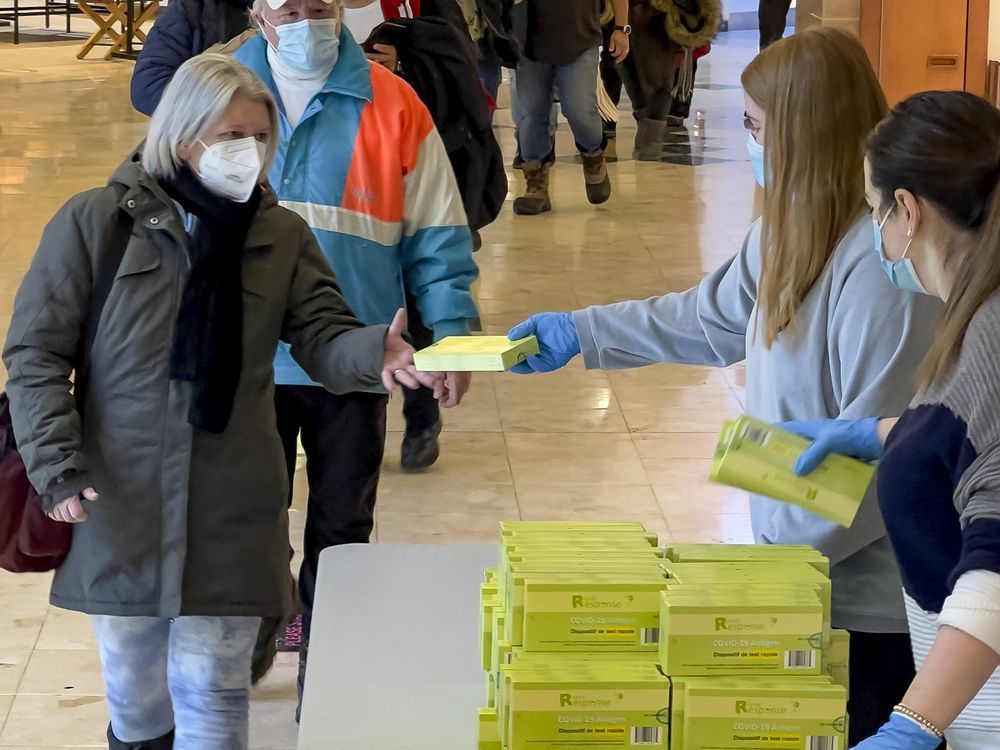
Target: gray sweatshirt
{"x":856,"y":347}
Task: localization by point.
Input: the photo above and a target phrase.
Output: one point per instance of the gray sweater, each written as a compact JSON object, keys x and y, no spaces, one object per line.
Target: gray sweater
{"x":856,"y":347}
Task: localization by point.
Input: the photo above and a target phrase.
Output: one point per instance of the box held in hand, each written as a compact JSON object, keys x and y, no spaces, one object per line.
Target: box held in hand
{"x":760,"y":458}
{"x":475,"y":354}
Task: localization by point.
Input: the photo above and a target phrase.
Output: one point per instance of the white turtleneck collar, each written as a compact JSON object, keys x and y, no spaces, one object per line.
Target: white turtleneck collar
{"x":295,"y":89}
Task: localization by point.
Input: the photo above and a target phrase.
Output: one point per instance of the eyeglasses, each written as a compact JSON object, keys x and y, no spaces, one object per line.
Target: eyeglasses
{"x":749,"y":125}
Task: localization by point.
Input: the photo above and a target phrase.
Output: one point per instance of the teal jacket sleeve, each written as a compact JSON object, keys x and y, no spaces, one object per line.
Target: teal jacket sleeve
{"x":436,"y":251}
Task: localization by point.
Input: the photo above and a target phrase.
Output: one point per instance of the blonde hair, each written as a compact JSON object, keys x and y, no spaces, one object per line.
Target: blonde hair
{"x":821,"y":100}
{"x":196,"y":97}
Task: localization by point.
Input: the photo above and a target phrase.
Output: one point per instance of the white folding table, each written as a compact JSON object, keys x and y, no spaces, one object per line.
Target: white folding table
{"x":394,"y":652}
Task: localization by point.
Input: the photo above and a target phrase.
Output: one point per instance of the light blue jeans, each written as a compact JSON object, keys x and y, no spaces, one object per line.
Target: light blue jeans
{"x":517,"y":111}
{"x":577,"y":87}
{"x":190,"y":674}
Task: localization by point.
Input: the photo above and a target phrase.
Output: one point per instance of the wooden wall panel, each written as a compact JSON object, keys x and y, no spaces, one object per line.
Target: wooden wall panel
{"x":993,"y":82}
{"x":976,"y":46}
{"x":899,"y":36}
{"x":871,"y":30}
{"x":923,"y":46}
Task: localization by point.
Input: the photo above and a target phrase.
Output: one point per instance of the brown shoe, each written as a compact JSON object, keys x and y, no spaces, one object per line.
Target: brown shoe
{"x":536,"y":198}
{"x":595,"y":175}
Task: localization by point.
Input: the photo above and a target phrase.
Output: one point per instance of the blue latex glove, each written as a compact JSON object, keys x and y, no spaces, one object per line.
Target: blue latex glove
{"x":900,"y":733}
{"x":558,"y":342}
{"x":857,"y":438}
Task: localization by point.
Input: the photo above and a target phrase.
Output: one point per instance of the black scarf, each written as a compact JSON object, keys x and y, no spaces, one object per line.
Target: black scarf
{"x":208,"y":340}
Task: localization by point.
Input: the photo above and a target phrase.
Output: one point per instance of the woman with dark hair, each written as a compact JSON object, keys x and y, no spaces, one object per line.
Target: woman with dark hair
{"x":932,"y":172}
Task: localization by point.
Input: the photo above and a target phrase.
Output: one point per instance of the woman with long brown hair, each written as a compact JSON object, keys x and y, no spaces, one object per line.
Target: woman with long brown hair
{"x":821,"y":329}
{"x":933,"y":169}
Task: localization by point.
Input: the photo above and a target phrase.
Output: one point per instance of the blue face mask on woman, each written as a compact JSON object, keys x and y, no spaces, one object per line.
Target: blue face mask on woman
{"x":901,"y":272}
{"x":310,"y":46}
{"x":756,"y":153}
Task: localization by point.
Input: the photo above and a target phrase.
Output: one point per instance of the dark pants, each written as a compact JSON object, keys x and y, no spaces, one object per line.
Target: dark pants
{"x":681,"y":106}
{"x":772,"y":15}
{"x":420,"y":409}
{"x":492,"y":76}
{"x":654,"y":105}
{"x":881,"y":672}
{"x":344,"y":440}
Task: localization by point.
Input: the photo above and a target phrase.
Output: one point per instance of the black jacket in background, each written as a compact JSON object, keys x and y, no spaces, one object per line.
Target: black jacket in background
{"x":441,"y":64}
{"x":183,"y":29}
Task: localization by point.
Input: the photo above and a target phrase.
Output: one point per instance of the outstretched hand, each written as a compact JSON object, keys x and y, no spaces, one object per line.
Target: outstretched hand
{"x":558,"y":342}
{"x":397,"y":366}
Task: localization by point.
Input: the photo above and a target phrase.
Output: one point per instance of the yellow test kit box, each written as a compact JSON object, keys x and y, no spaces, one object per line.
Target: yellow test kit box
{"x":592,"y":612}
{"x":729,"y":633}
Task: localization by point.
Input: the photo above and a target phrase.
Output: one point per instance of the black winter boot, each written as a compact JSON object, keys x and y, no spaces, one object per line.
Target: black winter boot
{"x":596,"y":178}
{"x":420,"y":450}
{"x":166,"y":742}
{"x":266,"y":648}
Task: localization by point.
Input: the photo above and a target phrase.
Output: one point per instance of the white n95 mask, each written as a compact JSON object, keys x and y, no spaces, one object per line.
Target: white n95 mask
{"x":231,"y":169}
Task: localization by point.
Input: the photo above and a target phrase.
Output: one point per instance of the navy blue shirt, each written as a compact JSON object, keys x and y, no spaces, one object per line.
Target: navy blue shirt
{"x":939,"y":480}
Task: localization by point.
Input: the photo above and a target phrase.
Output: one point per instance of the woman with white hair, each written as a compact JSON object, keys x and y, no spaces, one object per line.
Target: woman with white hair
{"x":167,"y":460}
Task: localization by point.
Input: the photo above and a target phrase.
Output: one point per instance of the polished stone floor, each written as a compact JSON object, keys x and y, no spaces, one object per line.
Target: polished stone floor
{"x":571,"y":445}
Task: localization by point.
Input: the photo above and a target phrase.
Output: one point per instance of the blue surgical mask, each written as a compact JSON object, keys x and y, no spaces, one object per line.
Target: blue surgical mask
{"x":308,"y":47}
{"x":901,"y":272}
{"x":756,"y":153}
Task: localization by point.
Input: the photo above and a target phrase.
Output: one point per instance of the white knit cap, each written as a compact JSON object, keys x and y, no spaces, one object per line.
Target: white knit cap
{"x":275,"y":4}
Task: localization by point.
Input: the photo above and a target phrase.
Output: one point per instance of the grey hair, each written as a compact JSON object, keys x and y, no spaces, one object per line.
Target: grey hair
{"x":195,"y":98}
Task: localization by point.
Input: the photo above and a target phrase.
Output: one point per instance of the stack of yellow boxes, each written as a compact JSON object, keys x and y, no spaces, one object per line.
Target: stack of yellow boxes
{"x":592,"y":637}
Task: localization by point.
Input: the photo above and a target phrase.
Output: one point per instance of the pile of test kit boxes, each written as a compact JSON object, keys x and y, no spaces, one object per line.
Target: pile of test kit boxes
{"x":593,"y":637}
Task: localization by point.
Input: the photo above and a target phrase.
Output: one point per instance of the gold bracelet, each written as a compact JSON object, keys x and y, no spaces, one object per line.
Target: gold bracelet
{"x":909,"y":713}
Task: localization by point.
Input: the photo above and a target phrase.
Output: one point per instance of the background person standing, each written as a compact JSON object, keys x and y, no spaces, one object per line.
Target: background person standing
{"x":437,"y":57}
{"x":183,"y":29}
{"x":360,"y":160}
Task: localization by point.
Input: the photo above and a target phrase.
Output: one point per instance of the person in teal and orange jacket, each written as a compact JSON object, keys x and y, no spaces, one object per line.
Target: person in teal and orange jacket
{"x":361,"y":161}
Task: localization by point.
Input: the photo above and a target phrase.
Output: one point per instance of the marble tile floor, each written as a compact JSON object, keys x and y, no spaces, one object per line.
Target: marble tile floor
{"x":571,"y":445}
